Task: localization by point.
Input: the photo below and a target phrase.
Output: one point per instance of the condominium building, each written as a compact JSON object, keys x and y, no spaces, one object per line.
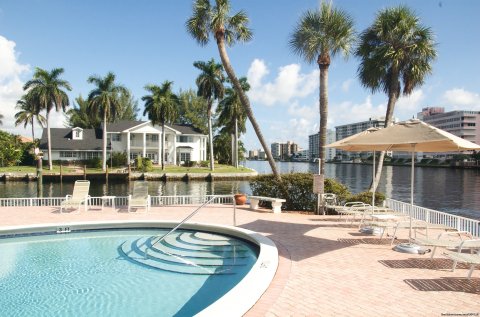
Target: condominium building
{"x":283,"y":151}
{"x":346,"y":130}
{"x":257,"y":154}
{"x":462,"y":123}
{"x":314,"y":143}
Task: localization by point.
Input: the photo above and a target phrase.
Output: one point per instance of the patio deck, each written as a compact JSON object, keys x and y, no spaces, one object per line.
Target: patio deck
{"x":327,"y":268}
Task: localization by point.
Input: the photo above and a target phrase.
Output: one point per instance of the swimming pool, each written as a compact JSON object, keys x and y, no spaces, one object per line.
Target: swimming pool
{"x":105,"y":272}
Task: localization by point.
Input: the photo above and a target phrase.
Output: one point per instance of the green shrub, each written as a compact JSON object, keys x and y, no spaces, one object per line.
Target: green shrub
{"x":95,"y":162}
{"x":204,"y":163}
{"x":188,"y":164}
{"x":144,"y":164}
{"x":297,"y":191}
{"x":119,"y":159}
{"x":366,"y":197}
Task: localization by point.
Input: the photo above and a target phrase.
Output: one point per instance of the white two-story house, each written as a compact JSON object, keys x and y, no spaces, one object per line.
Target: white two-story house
{"x":183,"y":143}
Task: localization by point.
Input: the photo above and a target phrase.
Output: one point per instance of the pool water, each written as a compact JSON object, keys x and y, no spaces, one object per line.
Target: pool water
{"x":103,"y":273}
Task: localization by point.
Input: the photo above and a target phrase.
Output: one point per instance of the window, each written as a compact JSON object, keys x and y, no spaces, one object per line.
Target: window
{"x":77,"y":134}
{"x":67,"y":154}
{"x":152,"y":137}
{"x":116,"y":137}
{"x":185,"y":157}
{"x":184,"y":139}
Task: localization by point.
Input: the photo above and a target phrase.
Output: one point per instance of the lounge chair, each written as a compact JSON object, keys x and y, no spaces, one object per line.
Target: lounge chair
{"x":78,"y":197}
{"x":447,"y":240}
{"x":140,"y":197}
{"x":472,"y":258}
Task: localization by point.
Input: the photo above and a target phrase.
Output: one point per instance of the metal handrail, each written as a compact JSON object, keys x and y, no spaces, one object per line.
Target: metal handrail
{"x":160,"y":239}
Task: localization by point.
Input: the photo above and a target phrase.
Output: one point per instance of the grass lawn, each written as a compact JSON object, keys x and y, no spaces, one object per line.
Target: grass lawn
{"x":219,"y":168}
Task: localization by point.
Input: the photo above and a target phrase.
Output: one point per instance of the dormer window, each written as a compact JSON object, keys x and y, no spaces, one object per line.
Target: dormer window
{"x":77,"y":134}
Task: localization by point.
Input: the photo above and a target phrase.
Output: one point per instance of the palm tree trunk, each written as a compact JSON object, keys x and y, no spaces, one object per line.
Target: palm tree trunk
{"x":236,"y":143}
{"x":104,"y":154}
{"x":210,"y":134}
{"x":50,"y":167}
{"x":245,"y":102}
{"x":163,"y":146}
{"x":393,"y":94}
{"x":323,"y":115}
{"x":232,"y":149}
{"x":33,"y":132}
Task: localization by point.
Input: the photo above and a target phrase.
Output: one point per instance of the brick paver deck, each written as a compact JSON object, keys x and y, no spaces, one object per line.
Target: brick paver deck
{"x":327,"y":268}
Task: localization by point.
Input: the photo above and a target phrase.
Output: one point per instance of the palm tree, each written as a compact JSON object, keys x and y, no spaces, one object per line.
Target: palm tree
{"x":210,"y":87}
{"x":81,"y":116}
{"x":232,"y":116}
{"x":47,"y":91}
{"x":320,"y":36}
{"x":215,"y":20}
{"x":105,"y":100}
{"x":396,"y":49}
{"x":29,"y":112}
{"x":161,"y":107}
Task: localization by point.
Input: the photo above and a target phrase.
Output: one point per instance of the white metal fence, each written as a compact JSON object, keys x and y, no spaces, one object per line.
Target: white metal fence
{"x":120,"y":201}
{"x":436,"y":217}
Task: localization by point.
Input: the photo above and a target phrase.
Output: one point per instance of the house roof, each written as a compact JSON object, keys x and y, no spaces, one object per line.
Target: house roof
{"x":121,"y":126}
{"x":61,"y":139}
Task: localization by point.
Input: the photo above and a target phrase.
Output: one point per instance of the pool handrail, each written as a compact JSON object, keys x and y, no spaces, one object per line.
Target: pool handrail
{"x":160,"y":239}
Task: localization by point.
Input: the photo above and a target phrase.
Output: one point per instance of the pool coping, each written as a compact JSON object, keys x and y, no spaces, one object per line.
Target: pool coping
{"x":239,"y":300}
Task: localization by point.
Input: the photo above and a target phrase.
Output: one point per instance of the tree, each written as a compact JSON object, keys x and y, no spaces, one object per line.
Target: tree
{"x":29,"y":113}
{"x":105,"y":100}
{"x":191,"y":110}
{"x":226,"y":30}
{"x":210,"y":86}
{"x":128,"y":108}
{"x":81,"y":116}
{"x":395,"y":50}
{"x":232,"y":116}
{"x":320,"y":36}
{"x":47,"y":90}
{"x":10,"y":149}
{"x":161,"y":106}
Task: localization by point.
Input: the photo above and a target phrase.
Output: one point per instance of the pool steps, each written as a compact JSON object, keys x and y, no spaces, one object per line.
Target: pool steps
{"x":187,"y":253}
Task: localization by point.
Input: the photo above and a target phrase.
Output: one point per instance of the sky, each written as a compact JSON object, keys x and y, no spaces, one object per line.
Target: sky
{"x":145,"y":42}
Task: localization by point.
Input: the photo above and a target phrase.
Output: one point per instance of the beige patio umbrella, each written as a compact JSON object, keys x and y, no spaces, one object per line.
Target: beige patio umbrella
{"x":412,"y":136}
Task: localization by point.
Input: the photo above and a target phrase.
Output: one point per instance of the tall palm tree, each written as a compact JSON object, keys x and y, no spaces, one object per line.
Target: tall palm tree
{"x":29,"y":112}
{"x":161,"y":106}
{"x":47,"y":89}
{"x":232,"y":116}
{"x":210,"y":86}
{"x":226,"y":29}
{"x":81,"y":116}
{"x":396,"y":49}
{"x":319,"y":36}
{"x":105,"y":100}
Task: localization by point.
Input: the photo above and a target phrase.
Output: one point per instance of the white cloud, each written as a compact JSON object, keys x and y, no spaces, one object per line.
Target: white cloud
{"x":346,"y":85}
{"x":11,"y":86}
{"x":343,"y":113}
{"x":458,"y":98}
{"x":11,"y":90}
{"x":289,"y":83}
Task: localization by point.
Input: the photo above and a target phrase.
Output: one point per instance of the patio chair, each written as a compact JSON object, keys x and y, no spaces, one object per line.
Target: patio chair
{"x":329,"y":201}
{"x":140,"y":197}
{"x":78,"y":197}
{"x":447,"y":240}
{"x":472,"y":258}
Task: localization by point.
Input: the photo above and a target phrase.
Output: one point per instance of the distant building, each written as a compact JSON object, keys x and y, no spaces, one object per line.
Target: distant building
{"x":301,"y":155}
{"x":346,"y":130}
{"x":262,"y":155}
{"x":256,"y":154}
{"x":283,"y":151}
{"x":462,"y":123}
{"x":313,"y":145}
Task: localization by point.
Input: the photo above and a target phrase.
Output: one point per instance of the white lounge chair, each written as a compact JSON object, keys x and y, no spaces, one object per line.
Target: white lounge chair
{"x":447,"y":240}
{"x":472,"y":258}
{"x":78,"y":197}
{"x":140,"y":197}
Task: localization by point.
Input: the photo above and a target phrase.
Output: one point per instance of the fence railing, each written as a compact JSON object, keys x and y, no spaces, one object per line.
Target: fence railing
{"x":436,"y":217}
{"x":120,"y":201}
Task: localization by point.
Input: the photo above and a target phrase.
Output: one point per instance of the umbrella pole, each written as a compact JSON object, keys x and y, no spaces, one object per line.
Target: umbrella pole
{"x":412,"y":176}
{"x":374,"y":184}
